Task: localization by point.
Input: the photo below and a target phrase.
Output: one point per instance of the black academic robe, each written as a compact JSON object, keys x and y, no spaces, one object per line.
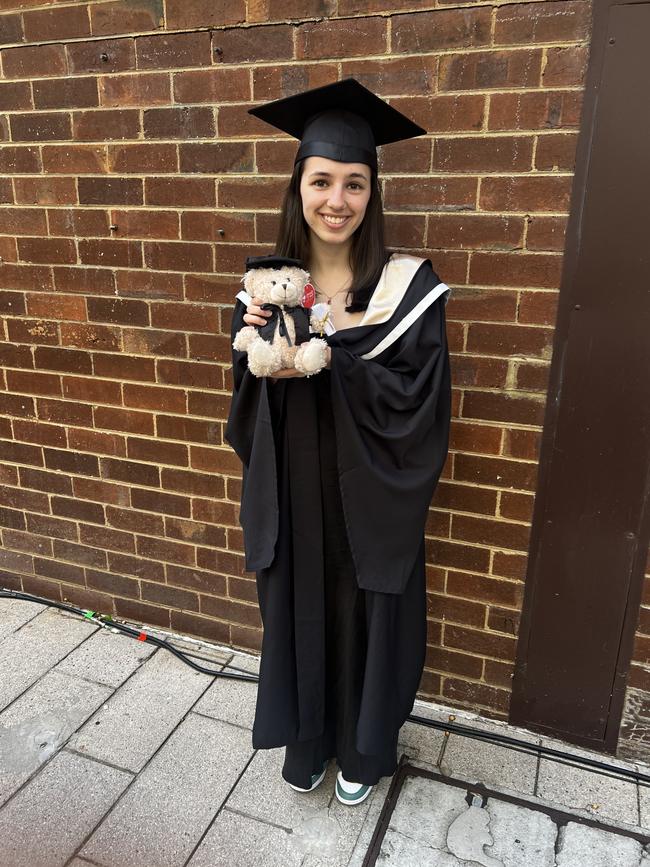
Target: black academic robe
{"x":392,"y":416}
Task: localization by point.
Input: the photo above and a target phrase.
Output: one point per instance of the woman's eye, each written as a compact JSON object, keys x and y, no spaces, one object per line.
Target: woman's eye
{"x":352,"y":185}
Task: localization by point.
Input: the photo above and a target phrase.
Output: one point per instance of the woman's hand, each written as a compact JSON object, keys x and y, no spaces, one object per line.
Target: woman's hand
{"x":291,"y":371}
{"x":286,"y":373}
{"x":254,"y":314}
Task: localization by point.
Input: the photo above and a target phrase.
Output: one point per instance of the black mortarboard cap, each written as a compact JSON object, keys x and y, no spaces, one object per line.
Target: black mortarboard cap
{"x":271,"y":261}
{"x":342,"y":121}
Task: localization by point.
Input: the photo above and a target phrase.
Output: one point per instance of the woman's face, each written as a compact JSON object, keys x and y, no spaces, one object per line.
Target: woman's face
{"x":334,"y":197}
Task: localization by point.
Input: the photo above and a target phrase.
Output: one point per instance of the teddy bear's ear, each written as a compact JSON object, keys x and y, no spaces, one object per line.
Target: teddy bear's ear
{"x":249,"y":280}
{"x":298,"y":275}
{"x":256,"y":282}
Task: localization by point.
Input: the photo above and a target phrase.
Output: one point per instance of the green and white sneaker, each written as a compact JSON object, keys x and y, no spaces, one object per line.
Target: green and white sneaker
{"x":316,"y":779}
{"x":350,"y":793}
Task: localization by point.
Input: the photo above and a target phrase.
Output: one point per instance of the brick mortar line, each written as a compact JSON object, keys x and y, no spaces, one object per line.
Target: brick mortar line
{"x":94,"y":378}
{"x":470,"y":655}
{"x":225,"y":211}
{"x":87,"y":265}
{"x":162,"y":31}
{"x":183,"y":240}
{"x":482,"y":656}
{"x":25,"y":488}
{"x":215,"y":106}
{"x":521,"y":359}
{"x":118,"y":596}
{"x":294,"y":61}
{"x":454,"y":482}
{"x":495,"y":287}
{"x":65,"y":562}
{"x":140,"y":486}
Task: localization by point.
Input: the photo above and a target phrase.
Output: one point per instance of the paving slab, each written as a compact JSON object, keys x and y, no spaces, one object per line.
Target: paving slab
{"x":14,"y":613}
{"x":106,"y":658}
{"x":54,"y":697}
{"x":376,"y":803}
{"x":263,"y":793}
{"x":170,"y":805}
{"x":520,"y":836}
{"x":49,"y":818}
{"x":592,"y":847}
{"x":238,"y":840}
{"x":230,"y":700}
{"x":399,"y":849}
{"x":128,"y":729}
{"x":571,"y":788}
{"x":330,"y":838}
{"x":425,"y":809}
{"x":490,"y":764}
{"x":421,"y":743}
{"x":36,"y":647}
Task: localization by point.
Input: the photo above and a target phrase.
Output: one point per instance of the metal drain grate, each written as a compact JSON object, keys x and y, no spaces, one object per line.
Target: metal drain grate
{"x":568,"y":826}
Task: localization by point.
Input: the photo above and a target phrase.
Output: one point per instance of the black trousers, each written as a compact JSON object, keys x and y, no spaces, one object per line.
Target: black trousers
{"x":346,"y":638}
{"x":340,"y":666}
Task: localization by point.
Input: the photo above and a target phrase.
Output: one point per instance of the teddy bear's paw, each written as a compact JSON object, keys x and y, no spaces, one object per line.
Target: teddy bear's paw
{"x":263,"y":358}
{"x":311,"y":357}
{"x":244,"y":338}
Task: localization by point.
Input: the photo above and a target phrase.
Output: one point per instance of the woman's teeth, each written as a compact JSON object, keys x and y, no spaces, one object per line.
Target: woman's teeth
{"x":335,"y":221}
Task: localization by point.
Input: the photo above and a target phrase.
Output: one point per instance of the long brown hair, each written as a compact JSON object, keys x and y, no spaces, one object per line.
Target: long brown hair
{"x":368,"y":253}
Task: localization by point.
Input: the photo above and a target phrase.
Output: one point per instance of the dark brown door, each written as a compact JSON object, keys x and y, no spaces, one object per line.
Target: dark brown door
{"x":591,"y":522}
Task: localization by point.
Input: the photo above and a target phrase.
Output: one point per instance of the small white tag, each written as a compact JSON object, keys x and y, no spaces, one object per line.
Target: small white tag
{"x":244,"y":297}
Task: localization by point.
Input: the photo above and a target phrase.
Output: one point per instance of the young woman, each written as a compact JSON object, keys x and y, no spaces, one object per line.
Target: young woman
{"x":339,"y":468}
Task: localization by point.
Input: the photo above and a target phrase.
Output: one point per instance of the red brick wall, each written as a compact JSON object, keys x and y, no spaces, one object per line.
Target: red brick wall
{"x":134,"y":183}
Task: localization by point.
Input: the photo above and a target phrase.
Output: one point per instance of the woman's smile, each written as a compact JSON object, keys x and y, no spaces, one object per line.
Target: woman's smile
{"x":334,"y":222}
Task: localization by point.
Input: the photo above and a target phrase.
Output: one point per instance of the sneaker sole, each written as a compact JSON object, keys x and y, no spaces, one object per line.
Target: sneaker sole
{"x":316,"y":783}
{"x":351,"y":801}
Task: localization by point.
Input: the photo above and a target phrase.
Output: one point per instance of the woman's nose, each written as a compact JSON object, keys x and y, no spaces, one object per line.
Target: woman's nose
{"x":336,"y":198}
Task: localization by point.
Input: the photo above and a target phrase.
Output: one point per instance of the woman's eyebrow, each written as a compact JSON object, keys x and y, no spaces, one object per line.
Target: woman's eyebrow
{"x":351,"y":175}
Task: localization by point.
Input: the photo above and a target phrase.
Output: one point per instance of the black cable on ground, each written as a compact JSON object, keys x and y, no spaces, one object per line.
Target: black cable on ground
{"x":106,"y":621}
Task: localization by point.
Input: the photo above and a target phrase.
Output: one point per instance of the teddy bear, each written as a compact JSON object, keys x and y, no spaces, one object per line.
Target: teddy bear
{"x":285,"y":340}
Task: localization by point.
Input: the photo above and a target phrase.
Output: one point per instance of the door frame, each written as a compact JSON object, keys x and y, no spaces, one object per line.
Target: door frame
{"x":541,"y":512}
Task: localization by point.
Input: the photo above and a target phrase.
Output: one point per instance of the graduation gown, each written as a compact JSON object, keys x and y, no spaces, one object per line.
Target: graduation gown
{"x":310,"y":512}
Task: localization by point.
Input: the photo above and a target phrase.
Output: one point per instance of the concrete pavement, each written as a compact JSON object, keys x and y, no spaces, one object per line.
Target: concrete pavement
{"x":114,"y":752}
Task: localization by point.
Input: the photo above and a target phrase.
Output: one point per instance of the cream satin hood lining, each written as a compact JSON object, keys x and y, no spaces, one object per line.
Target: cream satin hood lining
{"x":391,"y":286}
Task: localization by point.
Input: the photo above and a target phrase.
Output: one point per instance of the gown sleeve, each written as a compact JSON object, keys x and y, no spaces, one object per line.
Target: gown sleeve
{"x":392,"y":418}
{"x":249,"y":430}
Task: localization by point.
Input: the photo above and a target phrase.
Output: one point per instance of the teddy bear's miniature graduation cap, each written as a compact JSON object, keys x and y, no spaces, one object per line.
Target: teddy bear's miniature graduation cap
{"x":342,"y":121}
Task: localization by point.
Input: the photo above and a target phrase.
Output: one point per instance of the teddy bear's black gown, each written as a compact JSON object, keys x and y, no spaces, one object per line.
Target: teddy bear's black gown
{"x":339,"y":469}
